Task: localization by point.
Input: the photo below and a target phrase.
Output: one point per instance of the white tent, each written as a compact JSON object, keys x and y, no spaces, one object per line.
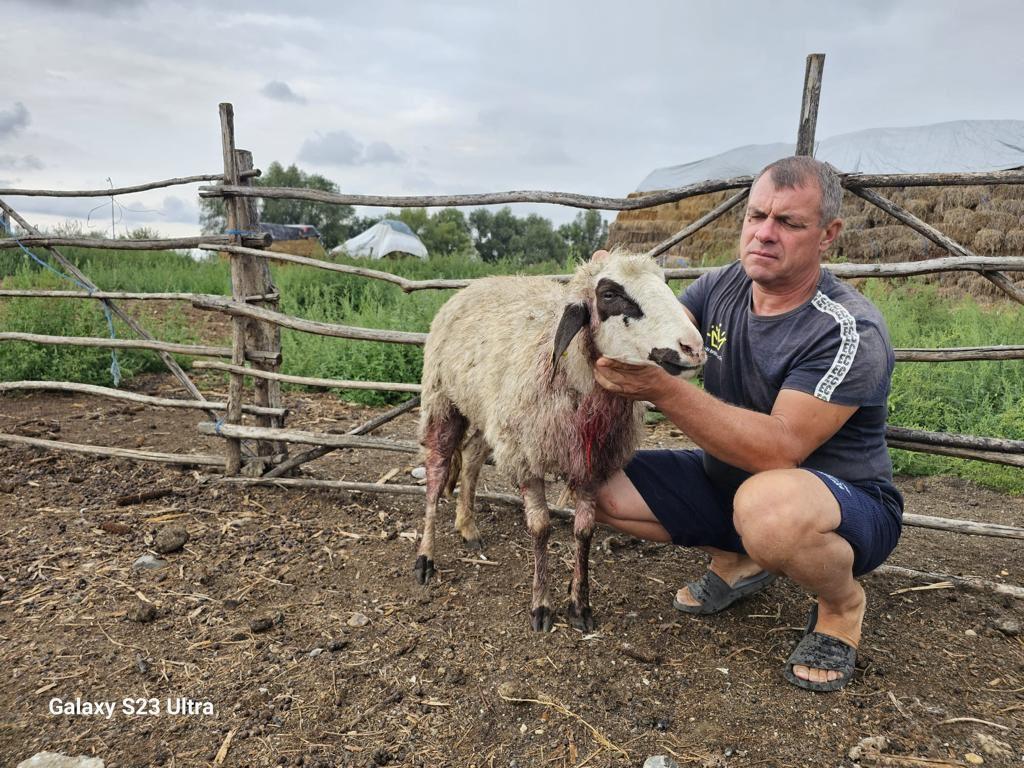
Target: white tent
{"x":962,"y":145}
{"x":384,"y":237}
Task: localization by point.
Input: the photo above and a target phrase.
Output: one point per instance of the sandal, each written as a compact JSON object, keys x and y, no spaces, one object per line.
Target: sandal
{"x":821,"y":651}
{"x":716,"y":595}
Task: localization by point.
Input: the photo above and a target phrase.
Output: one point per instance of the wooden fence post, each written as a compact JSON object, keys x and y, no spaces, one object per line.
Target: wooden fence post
{"x":259,"y":288}
{"x":250,"y":282}
{"x":233,"y":209}
{"x":809,"y":107}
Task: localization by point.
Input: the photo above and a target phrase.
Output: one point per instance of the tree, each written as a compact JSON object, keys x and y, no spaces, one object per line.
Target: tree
{"x":538,"y":241}
{"x":447,"y":234}
{"x":587,"y":233}
{"x":494,"y":234}
{"x":334,"y":222}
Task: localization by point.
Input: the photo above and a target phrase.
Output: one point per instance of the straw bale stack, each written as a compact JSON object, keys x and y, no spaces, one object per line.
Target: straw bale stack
{"x":308,"y":247}
{"x":987,"y":242}
{"x":1014,"y":242}
{"x":987,"y":219}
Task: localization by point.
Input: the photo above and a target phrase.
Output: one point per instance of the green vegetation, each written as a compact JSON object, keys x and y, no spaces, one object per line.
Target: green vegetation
{"x":979,"y":398}
{"x":982,"y":398}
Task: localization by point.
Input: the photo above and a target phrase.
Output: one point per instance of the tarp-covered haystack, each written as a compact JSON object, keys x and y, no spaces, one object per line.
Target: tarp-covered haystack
{"x":987,"y":219}
{"x":385,"y":237}
{"x":296,"y":239}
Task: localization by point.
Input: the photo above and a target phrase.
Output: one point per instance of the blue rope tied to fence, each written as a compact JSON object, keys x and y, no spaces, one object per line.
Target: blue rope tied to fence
{"x":242,"y":232}
{"x":115,"y":367}
{"x":217,"y":425}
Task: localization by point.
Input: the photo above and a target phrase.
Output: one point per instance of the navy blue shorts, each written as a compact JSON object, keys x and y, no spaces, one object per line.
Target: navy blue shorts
{"x":696,"y":512}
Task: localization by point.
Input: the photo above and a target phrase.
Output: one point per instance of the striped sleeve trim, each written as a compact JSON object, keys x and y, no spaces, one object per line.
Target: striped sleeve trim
{"x":849,"y":340}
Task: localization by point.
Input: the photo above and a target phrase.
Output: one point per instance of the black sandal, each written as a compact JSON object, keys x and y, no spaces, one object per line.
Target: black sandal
{"x":820,"y":651}
{"x":716,"y":595}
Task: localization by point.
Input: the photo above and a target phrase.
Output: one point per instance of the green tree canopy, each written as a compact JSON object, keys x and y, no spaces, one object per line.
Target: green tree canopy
{"x":502,"y":236}
{"x":587,"y":233}
{"x":334,"y":222}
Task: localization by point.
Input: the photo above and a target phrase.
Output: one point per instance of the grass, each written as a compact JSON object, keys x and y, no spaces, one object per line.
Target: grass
{"x":982,"y":398}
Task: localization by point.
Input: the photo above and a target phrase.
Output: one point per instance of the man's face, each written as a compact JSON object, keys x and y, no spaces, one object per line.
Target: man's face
{"x":782,"y":238}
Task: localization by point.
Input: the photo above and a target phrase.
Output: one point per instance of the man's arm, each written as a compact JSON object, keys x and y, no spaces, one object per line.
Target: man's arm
{"x":798,"y":424}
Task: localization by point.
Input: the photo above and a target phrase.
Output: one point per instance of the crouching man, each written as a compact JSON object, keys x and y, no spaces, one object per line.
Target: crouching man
{"x":793,"y":476}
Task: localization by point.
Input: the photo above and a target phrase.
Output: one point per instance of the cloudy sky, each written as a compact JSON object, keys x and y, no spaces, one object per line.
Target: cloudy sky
{"x":425,"y":96}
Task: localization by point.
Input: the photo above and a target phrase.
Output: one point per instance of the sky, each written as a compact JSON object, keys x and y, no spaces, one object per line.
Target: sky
{"x":413,"y":97}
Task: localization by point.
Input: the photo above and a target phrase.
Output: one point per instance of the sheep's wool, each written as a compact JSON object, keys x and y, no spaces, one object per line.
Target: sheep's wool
{"x":489,"y":354}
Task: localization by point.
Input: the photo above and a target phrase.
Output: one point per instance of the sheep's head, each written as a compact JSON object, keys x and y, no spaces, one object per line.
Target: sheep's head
{"x":632,"y":315}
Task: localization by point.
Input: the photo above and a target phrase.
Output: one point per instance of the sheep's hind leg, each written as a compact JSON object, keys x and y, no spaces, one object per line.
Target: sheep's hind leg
{"x":442,"y":438}
{"x":474,"y":453}
{"x":538,"y":522}
{"x":578,"y":610}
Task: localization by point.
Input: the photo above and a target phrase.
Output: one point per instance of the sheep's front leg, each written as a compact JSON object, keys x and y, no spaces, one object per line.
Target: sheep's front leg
{"x":580,"y":615}
{"x":538,"y":522}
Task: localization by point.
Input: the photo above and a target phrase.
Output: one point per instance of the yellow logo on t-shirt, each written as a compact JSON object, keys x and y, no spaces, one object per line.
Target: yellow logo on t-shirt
{"x":717,"y":338}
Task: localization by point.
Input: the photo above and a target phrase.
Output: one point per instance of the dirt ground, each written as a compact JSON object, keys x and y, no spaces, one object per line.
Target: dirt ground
{"x":294,"y":616}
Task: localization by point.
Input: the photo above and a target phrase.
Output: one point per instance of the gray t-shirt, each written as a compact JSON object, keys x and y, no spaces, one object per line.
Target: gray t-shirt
{"x":835,"y":347}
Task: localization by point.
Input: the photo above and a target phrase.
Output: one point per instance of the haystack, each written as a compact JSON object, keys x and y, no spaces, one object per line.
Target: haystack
{"x":981,"y":218}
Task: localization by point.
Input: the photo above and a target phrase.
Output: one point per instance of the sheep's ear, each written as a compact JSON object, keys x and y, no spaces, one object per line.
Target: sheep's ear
{"x":574,"y":318}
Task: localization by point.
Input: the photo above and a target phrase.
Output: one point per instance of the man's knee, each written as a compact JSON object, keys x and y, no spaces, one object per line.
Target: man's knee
{"x":775,"y":511}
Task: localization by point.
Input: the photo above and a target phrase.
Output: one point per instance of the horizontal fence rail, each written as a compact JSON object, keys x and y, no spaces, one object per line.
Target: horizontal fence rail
{"x":113,"y":191}
{"x":239,"y":309}
{"x":308,"y":438}
{"x":309,"y":381}
{"x":127,"y":244}
{"x":26,"y":293}
{"x":971,"y":263}
{"x":184,"y":459}
{"x":198,"y":350}
{"x":573,"y":200}
{"x":133,"y":397}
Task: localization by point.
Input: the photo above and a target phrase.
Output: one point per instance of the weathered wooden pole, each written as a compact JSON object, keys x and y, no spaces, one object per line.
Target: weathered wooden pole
{"x":250,"y":282}
{"x":234,"y":210}
{"x":260,"y":289}
{"x":809,"y":107}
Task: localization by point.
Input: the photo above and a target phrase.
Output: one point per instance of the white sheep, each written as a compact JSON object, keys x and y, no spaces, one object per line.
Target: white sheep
{"x":507,"y":371}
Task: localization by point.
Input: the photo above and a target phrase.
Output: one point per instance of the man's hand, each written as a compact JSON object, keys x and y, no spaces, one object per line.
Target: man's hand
{"x":637,"y":382}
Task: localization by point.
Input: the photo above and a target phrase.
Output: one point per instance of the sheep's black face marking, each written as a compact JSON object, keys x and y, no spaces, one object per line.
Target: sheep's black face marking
{"x":668,"y":359}
{"x":575,"y":317}
{"x":613,"y":300}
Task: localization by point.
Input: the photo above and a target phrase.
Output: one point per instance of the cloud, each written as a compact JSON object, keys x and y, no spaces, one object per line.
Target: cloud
{"x":279,"y":91}
{"x":342,"y":148}
{"x":380,"y":152}
{"x":13,"y":120}
{"x":23,"y":163}
{"x":128,"y":213}
{"x":98,"y":7}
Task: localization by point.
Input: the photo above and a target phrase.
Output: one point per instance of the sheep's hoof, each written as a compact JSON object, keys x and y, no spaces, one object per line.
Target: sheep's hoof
{"x":424,"y":569}
{"x":541,"y":619}
{"x":477,"y":544}
{"x":582,"y":619}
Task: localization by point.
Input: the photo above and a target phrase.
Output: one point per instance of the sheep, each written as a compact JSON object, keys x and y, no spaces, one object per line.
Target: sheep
{"x":508,"y":372}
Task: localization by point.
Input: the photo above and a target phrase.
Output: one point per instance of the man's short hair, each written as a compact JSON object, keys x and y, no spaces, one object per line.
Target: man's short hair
{"x":790,"y":172}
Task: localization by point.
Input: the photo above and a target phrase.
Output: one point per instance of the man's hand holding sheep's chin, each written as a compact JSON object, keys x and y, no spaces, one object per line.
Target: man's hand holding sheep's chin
{"x":637,"y":382}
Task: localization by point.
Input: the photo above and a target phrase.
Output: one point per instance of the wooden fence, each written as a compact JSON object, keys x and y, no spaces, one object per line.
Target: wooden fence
{"x":257,"y":452}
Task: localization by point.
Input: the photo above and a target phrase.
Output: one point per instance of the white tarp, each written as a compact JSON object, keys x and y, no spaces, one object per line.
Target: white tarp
{"x":384,"y":237}
{"x":959,"y":146}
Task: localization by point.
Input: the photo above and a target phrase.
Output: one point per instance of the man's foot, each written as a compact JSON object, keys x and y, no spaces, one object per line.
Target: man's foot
{"x":842,"y":623}
{"x":727,"y":580}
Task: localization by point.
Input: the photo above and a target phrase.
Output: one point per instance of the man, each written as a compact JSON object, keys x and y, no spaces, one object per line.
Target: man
{"x":794,"y":477}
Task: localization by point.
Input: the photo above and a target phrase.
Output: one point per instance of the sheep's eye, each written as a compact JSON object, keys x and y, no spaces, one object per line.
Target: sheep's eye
{"x":609,"y":295}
